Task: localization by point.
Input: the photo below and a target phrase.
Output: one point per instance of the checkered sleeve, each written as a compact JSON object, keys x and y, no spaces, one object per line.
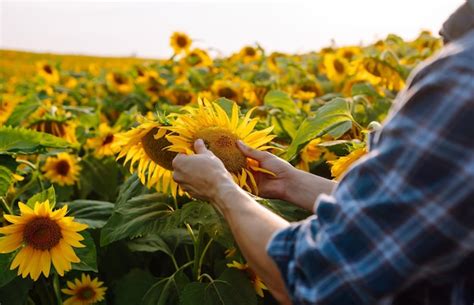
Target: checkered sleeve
{"x":404,"y":211}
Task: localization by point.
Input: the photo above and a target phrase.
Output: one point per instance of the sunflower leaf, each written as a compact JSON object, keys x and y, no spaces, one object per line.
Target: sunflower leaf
{"x":93,"y":213}
{"x":6,"y":178}
{"x":88,"y":254}
{"x":231,"y":288}
{"x":166,"y":290}
{"x":22,"y":111}
{"x":280,"y":99}
{"x":331,"y":117}
{"x":25,"y":141}
{"x":6,"y":275}
{"x":48,"y":194}
{"x":131,"y":287}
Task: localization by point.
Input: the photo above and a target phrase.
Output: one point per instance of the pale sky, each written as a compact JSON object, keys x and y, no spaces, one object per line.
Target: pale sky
{"x":143,"y":28}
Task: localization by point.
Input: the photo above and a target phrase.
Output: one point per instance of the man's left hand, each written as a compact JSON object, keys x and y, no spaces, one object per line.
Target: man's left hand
{"x":202,"y":174}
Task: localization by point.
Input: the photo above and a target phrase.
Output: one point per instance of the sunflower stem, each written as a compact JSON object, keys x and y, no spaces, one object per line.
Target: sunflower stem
{"x":25,"y":187}
{"x":203,"y":254}
{"x":197,"y":253}
{"x":28,"y":163}
{"x":57,"y":289}
{"x":5,"y":206}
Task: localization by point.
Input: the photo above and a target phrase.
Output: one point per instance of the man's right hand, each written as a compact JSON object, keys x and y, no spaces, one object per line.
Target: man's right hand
{"x":288,"y":183}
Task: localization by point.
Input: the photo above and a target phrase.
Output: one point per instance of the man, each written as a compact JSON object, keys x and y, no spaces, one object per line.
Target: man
{"x":399,"y":227}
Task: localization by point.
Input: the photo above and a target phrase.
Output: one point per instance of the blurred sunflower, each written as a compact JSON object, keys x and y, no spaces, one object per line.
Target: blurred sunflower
{"x":249,"y":54}
{"x":63,"y":169}
{"x":378,"y":73}
{"x":47,"y":72}
{"x":44,"y":236}
{"x":181,"y":95}
{"x":146,"y":145}
{"x":197,"y":58}
{"x":56,"y":126}
{"x":180,"y":42}
{"x":256,"y":281}
{"x":336,"y":67}
{"x":312,"y":152}
{"x":84,"y":291}
{"x":348,"y":53}
{"x":119,"y":82}
{"x":229,"y":89}
{"x":341,"y":165}
{"x":8,"y":103}
{"x":273,"y":59}
{"x":220,"y":133}
{"x":102,"y":143}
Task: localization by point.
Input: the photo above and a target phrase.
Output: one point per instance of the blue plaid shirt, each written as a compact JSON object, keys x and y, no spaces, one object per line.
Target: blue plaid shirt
{"x":399,"y":228}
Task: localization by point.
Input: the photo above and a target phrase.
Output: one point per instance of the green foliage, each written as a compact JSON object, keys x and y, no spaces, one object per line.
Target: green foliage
{"x":99,"y":177}
{"x":329,"y":118}
{"x":7,"y":275}
{"x":131,"y":288}
{"x":25,"y":141}
{"x":6,"y":179}
{"x":231,"y":288}
{"x":281,"y":100}
{"x":93,"y":213}
{"x":22,"y":111}
{"x":88,"y":254}
{"x":166,"y":291}
{"x":48,"y":194}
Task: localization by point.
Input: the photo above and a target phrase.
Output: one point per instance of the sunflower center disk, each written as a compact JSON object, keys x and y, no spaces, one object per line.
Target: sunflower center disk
{"x":155,"y":149}
{"x":182,"y":41}
{"x":42,"y":233}
{"x":224,"y":145}
{"x":86,"y":293}
{"x":62,"y":168}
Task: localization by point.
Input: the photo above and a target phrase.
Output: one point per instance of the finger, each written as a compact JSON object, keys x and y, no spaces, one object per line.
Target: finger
{"x":200,"y":147}
{"x":177,"y":160}
{"x":252,"y":153}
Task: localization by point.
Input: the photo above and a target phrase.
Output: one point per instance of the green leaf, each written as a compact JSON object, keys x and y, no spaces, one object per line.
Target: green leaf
{"x":131,"y":187}
{"x":280,"y":99}
{"x":166,"y":291}
{"x":22,"y":111}
{"x":88,"y":254}
{"x":231,"y":288}
{"x":131,"y":288}
{"x":6,"y":275}
{"x":99,"y":176}
{"x":6,"y":179}
{"x":25,"y":141}
{"x":328,"y":118}
{"x":205,"y":215}
{"x":48,"y":194}
{"x":138,"y":216}
{"x":226,"y":104}
{"x":285,"y":209}
{"x":150,"y":243}
{"x":91,"y":212}
{"x":16,"y":292}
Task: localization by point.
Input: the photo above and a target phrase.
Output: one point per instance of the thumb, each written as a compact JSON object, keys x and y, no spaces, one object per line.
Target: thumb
{"x":251,"y":152}
{"x":200,"y":147}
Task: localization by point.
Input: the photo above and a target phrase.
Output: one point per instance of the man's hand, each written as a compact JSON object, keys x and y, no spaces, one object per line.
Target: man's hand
{"x":289,"y":183}
{"x":201,"y":175}
{"x":269,"y":186}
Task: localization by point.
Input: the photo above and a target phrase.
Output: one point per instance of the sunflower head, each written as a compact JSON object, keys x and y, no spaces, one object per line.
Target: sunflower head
{"x":227,"y":88}
{"x":102,"y":143}
{"x":48,"y":72}
{"x":63,"y":169}
{"x":8,"y":103}
{"x":84,"y":291}
{"x":220,"y":132}
{"x":336,"y":67}
{"x":119,"y":82}
{"x":198,"y":58}
{"x":144,"y":149}
{"x":59,"y":127}
{"x":341,"y":165}
{"x":249,"y":54}
{"x":180,"y":42}
{"x":44,"y":236}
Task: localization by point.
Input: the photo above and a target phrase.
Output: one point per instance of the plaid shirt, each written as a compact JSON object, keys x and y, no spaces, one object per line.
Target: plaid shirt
{"x":399,"y":228}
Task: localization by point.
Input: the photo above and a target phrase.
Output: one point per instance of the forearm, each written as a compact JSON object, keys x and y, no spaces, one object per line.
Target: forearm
{"x":303,"y":188}
{"x":252,"y":226}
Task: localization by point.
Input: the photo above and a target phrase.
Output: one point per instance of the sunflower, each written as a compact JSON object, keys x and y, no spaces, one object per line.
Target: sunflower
{"x":180,"y":42}
{"x":47,"y":72}
{"x":340,"y":166}
{"x":62,"y":128}
{"x":44,"y":236}
{"x":102,"y":143}
{"x":62,"y":169}
{"x":119,"y":82}
{"x":220,"y":132}
{"x":181,"y":95}
{"x":146,"y":145}
{"x":249,"y":54}
{"x":272,"y":61}
{"x":256,"y":281}
{"x":349,"y":53}
{"x":312,"y":152}
{"x":8,"y":103}
{"x":336,"y":67}
{"x":84,"y":291}
{"x":378,"y":73}
{"x":229,"y":89}
{"x":197,"y":58}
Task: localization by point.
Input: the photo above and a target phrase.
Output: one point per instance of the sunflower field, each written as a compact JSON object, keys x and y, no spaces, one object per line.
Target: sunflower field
{"x":90,"y":213}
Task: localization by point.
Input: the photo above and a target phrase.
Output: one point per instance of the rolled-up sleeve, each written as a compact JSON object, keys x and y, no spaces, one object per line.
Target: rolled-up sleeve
{"x":402,"y":213}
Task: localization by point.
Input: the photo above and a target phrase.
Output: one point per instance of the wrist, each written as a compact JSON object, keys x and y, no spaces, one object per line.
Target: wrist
{"x":290,"y":184}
